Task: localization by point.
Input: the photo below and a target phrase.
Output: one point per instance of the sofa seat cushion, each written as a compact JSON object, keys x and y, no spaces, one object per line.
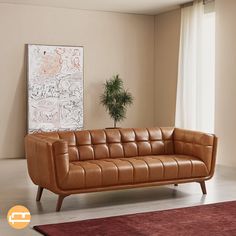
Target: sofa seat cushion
{"x":142,"y":169}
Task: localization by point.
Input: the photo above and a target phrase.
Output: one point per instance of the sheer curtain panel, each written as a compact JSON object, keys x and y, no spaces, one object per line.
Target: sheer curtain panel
{"x":196,"y":86}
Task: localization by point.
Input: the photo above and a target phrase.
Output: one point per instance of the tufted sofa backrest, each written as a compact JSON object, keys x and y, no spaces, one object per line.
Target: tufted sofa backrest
{"x":115,"y":143}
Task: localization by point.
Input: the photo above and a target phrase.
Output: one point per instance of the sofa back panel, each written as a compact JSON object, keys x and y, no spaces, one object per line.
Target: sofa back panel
{"x":167,"y":133}
{"x":169,"y":147}
{"x":127,"y":135}
{"x":113,"y":135}
{"x":101,"y":151}
{"x":83,"y":137}
{"x":155,"y":134}
{"x":116,"y":150}
{"x":130,"y":149}
{"x":98,"y":136}
{"x":144,"y":148}
{"x":86,"y":152}
{"x":142,"y":139}
{"x":116,"y":143}
{"x":158,"y":147}
{"x":141,"y":135}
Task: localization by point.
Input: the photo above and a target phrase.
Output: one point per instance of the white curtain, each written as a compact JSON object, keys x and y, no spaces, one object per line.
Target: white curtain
{"x":196,"y":86}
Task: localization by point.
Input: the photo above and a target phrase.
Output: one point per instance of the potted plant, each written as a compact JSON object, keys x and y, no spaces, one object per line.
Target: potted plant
{"x":116,"y":99}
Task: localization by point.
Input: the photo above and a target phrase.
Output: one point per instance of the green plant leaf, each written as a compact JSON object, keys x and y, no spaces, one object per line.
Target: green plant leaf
{"x":115,"y":98}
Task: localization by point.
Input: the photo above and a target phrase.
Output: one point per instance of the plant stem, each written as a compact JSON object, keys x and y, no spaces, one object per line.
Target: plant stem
{"x":114,"y":123}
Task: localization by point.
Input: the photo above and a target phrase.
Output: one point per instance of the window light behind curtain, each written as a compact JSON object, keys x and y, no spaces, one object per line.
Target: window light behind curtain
{"x":196,"y":72}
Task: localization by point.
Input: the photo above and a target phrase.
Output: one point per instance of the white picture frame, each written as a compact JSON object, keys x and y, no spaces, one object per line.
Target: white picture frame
{"x":55,"y":88}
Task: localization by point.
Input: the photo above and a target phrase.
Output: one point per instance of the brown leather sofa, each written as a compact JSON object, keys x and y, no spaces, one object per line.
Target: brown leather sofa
{"x":98,"y":160}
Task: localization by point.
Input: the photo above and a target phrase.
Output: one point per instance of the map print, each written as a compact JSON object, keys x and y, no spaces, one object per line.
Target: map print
{"x":55,"y":88}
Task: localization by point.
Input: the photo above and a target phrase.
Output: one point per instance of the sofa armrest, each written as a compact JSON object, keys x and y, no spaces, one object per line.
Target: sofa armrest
{"x":47,"y":160}
{"x":197,"y":144}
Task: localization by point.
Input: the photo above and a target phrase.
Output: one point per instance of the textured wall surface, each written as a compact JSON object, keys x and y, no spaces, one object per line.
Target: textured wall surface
{"x":167,"y":33}
{"x":113,"y":43}
{"x":225,"y":116}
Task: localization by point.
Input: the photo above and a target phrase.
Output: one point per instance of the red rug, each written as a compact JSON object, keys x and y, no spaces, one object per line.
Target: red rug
{"x":206,"y":220}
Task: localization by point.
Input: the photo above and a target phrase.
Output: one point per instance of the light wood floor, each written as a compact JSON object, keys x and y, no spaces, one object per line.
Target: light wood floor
{"x":17,"y":188}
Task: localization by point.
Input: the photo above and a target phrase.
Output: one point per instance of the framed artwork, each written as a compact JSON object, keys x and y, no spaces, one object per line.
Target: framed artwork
{"x":55,"y":88}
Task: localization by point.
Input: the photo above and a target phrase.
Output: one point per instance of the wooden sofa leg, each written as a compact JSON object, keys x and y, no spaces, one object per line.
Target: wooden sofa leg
{"x":39,"y":193}
{"x":203,"y":187}
{"x":59,"y":201}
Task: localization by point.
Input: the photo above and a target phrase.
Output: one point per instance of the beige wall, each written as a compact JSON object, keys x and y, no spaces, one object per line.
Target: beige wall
{"x":113,"y":43}
{"x":167,"y":32}
{"x":225,"y":119}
